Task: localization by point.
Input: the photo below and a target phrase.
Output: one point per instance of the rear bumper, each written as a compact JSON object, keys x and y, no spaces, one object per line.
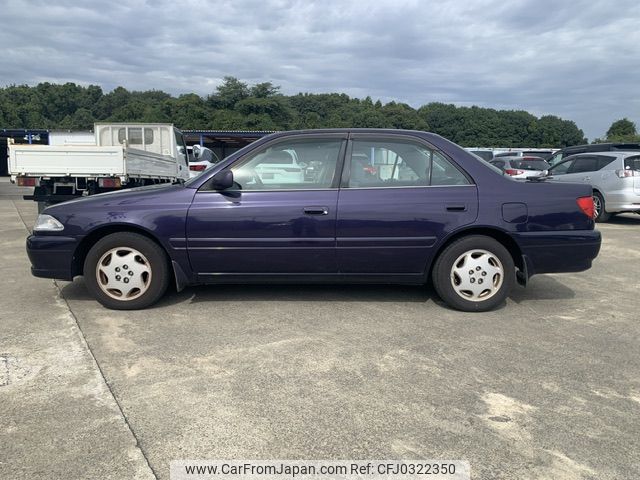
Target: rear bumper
{"x":559,"y":251}
{"x":627,"y":200}
{"x":51,"y":256}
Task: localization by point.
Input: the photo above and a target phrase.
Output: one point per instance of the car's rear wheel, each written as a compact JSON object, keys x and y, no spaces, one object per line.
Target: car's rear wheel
{"x":599,"y":213}
{"x":126,"y":271}
{"x":474,"y":274}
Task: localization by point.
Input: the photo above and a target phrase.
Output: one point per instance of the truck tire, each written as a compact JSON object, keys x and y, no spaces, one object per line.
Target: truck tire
{"x":126,"y":271}
{"x":474,"y":274}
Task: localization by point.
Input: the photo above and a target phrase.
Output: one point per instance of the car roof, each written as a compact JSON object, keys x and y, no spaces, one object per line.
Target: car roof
{"x":612,"y":153}
{"x":433,"y":138}
{"x":602,"y":147}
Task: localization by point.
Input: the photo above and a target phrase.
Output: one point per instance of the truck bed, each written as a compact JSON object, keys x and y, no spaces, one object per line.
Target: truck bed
{"x":88,"y":161}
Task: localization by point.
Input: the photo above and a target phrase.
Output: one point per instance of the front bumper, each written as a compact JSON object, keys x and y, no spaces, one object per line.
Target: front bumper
{"x":559,"y":251}
{"x":51,"y":256}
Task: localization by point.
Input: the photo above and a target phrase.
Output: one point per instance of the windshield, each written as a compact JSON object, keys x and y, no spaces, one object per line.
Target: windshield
{"x":487,"y":164}
{"x":530,"y":164}
{"x":483,"y":154}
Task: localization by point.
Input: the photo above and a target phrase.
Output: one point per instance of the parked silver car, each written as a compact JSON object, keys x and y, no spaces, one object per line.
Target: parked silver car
{"x":615,"y":177}
{"x":521,"y":167}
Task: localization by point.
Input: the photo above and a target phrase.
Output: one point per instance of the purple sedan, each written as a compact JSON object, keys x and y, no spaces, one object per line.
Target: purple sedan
{"x":371,"y":206}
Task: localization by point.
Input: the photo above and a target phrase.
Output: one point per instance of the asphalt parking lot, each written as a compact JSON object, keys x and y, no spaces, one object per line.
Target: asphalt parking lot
{"x":547,"y":387}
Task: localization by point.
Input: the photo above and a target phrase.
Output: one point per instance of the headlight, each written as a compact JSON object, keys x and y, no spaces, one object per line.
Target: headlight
{"x":46,"y":223}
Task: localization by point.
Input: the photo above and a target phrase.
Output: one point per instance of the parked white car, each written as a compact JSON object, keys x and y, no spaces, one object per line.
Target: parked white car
{"x":279,"y":166}
{"x":521,"y":167}
{"x":200,"y":158}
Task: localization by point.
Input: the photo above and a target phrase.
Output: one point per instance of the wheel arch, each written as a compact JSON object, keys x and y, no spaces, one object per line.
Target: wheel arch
{"x":90,"y":240}
{"x":499,"y":235}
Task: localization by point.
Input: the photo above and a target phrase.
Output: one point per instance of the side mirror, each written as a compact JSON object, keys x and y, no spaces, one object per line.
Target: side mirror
{"x":196,"y":151}
{"x":222,"y":180}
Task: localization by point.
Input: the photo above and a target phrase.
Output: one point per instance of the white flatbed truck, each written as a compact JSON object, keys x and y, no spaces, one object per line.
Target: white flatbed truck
{"x":124,"y":155}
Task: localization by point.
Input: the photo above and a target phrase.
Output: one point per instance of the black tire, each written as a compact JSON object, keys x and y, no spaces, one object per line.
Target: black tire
{"x":152,"y":258}
{"x":600,"y":215}
{"x":497,"y":285}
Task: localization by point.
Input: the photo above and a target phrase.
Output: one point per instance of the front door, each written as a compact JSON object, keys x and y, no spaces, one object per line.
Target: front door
{"x":279,"y":218}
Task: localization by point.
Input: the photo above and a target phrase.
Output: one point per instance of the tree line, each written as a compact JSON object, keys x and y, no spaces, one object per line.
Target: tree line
{"x":235,"y":105}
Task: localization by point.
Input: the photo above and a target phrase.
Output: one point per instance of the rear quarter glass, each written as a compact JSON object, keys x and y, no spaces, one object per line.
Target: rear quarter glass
{"x":632,"y":163}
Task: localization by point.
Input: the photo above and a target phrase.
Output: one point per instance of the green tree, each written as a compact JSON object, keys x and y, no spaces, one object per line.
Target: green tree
{"x":274,"y":110}
{"x":623,"y":130}
{"x":237,"y":105}
{"x":81,"y":119}
{"x":230,"y":92}
{"x":264,"y":90}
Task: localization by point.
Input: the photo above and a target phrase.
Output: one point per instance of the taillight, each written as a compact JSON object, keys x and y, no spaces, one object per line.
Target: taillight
{"x":513,"y":171}
{"x":27,"y":181}
{"x":197,"y":168}
{"x":109,"y":182}
{"x":586,"y":205}
{"x":627,"y":173}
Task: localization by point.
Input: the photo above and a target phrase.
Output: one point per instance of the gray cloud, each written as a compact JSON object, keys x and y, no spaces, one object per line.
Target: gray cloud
{"x":573,"y":59}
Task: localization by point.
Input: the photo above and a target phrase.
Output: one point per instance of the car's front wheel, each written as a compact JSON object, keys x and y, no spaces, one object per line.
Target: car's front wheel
{"x":474,"y":274}
{"x":126,"y":271}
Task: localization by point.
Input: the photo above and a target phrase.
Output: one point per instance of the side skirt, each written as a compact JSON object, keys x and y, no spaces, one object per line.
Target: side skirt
{"x":284,"y":279}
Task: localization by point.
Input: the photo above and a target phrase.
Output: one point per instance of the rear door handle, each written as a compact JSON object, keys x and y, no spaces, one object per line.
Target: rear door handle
{"x":456,"y":208}
{"x":316,"y":210}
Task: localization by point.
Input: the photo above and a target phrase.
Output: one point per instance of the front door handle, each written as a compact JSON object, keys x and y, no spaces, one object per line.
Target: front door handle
{"x":316,"y":210}
{"x":456,"y":208}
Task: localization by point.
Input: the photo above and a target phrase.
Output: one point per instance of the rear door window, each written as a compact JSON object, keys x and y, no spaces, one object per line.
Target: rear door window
{"x":398,"y":163}
{"x":584,"y":164}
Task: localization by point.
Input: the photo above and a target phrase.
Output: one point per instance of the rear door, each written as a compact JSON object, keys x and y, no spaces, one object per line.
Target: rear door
{"x":398,"y":197}
{"x":605,"y":178}
{"x":576,"y":169}
{"x":267,"y":223}
{"x":582,"y":169}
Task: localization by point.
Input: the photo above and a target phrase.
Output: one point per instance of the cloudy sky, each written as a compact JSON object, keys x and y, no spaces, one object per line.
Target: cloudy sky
{"x":576,"y":59}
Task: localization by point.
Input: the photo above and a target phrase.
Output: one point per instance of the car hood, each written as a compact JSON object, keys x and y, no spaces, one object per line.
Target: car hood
{"x":150,"y":193}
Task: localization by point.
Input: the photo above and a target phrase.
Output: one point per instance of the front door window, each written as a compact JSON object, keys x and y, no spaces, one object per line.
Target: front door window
{"x":307,"y":164}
